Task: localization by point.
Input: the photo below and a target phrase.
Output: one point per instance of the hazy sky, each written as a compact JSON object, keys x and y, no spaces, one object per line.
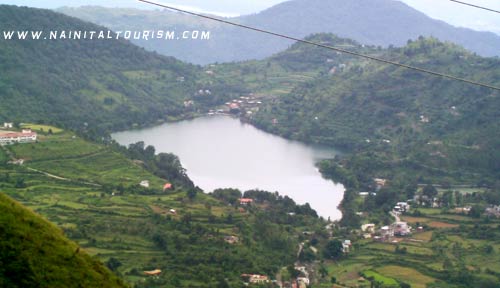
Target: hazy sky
{"x":446,"y":10}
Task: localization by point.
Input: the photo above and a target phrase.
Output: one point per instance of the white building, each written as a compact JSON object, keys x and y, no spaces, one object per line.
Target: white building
{"x":25,"y":136}
{"x":144,"y":183}
{"x":8,"y":125}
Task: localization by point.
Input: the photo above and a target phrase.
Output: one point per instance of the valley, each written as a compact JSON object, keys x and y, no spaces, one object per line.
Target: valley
{"x":407,"y":140}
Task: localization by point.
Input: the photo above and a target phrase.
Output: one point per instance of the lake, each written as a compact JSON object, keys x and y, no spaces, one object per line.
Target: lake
{"x":222,"y":152}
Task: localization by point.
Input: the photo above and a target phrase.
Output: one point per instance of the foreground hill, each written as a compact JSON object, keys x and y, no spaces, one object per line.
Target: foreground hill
{"x":87,"y":83}
{"x":380,"y":22}
{"x":34,"y":253}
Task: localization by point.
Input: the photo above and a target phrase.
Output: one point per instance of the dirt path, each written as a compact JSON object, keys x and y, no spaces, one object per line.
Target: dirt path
{"x":62,"y":178}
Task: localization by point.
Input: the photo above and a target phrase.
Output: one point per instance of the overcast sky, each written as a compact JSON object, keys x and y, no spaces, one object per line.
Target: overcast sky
{"x":446,"y":10}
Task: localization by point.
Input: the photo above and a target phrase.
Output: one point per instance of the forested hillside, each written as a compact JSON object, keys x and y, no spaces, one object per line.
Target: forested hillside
{"x":408,"y":118}
{"x":88,"y":84}
{"x":370,"y":22}
{"x":34,"y":253}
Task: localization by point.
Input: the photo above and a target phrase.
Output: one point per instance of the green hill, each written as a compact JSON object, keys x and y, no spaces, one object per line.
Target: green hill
{"x":88,"y":84}
{"x":443,"y":127}
{"x":35,"y":253}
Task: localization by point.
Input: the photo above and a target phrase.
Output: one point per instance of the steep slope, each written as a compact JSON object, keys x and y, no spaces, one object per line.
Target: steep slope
{"x":379,"y":22}
{"x":34,"y":253}
{"x":72,"y":82}
{"x":410,"y":118}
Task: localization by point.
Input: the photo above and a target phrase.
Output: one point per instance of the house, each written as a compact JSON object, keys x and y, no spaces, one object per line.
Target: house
{"x":188,"y":103}
{"x":369,"y":228}
{"x":17,"y":162}
{"x":424,"y":119}
{"x":364,"y":194}
{"x":463,"y":210}
{"x":246,"y":201}
{"x":403,"y":206}
{"x":144,"y":183}
{"x":155,"y":272}
{"x":172,"y":211}
{"x":8,"y":125}
{"x":231,"y":239}
{"x":493,"y":211}
{"x":380,"y":182}
{"x":346,"y":246}
{"x":26,"y":136}
{"x":255,"y":278}
{"x":303,"y":281}
{"x":234,"y":108}
{"x":386,"y":232}
{"x":302,"y":269}
{"x":401,"y":229}
{"x":167,"y":186}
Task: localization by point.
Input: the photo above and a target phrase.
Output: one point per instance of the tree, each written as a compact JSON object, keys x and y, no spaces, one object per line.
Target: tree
{"x":323,"y":271}
{"x":430,"y":191}
{"x":192,"y":193}
{"x":294,"y":273}
{"x":113,"y":264}
{"x":333,"y":249}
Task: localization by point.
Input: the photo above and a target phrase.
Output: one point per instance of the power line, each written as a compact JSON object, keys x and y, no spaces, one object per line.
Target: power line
{"x":476,"y":6}
{"x":422,"y":70}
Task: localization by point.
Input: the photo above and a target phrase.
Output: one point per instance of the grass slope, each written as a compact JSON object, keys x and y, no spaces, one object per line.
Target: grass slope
{"x":35,"y":253}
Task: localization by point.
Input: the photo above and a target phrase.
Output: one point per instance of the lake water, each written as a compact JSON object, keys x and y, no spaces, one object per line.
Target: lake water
{"x":222,"y":152}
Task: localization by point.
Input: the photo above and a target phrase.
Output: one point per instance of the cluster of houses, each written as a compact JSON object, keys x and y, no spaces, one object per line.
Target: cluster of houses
{"x":245,"y":105}
{"x":8,"y":136}
{"x":388,"y":232}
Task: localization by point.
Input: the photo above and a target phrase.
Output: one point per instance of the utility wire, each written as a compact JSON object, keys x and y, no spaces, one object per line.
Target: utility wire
{"x":422,"y":70}
{"x":476,"y":6}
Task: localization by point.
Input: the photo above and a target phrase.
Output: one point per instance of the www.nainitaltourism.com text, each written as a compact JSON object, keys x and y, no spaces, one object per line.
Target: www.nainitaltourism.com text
{"x":103,"y":35}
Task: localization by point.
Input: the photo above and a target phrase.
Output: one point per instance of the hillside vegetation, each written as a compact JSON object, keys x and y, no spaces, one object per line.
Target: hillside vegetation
{"x":88,"y":84}
{"x":394,"y":117}
{"x":35,"y":253}
{"x":92,"y":192}
{"x":370,"y":22}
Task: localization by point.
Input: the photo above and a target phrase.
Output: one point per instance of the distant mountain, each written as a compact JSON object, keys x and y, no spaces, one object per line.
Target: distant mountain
{"x":35,"y":253}
{"x":371,"y":22}
{"x":87,"y":83}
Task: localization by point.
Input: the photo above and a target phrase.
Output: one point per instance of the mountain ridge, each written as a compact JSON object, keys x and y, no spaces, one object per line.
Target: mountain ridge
{"x":381,"y":22}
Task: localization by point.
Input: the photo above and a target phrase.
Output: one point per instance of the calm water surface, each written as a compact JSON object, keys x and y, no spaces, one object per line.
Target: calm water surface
{"x":221,"y":152}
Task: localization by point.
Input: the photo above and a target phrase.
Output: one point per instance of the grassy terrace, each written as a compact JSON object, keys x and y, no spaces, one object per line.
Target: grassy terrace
{"x":106,"y":225}
{"x":91,"y":192}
